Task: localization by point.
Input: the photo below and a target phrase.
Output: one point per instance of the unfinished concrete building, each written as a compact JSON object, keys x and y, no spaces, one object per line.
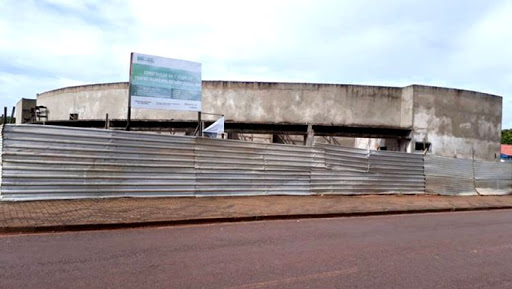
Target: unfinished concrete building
{"x":422,"y":119}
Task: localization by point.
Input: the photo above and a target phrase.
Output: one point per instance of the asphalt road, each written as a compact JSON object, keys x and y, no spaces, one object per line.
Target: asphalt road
{"x":443,"y":250}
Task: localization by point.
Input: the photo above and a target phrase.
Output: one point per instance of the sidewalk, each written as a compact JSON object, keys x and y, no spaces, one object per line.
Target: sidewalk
{"x":64,"y":215}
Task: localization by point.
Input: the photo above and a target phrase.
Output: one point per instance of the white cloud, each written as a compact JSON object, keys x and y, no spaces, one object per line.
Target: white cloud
{"x":48,"y":44}
{"x":482,"y":59}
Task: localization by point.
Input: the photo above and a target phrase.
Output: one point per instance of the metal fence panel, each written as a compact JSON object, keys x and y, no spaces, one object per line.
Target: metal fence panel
{"x":239,"y":168}
{"x":356,"y":171}
{"x":47,"y":162}
{"x":345,"y":159}
{"x":1,"y":153}
{"x":449,"y":176}
{"x":401,"y":172}
{"x":493,"y":178}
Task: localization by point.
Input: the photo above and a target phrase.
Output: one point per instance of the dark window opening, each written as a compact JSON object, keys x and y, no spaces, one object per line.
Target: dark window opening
{"x":73,"y":116}
{"x":384,"y":148}
{"x":421,"y":146}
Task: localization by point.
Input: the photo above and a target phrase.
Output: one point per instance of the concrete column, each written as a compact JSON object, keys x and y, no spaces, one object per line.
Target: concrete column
{"x":310,"y":137}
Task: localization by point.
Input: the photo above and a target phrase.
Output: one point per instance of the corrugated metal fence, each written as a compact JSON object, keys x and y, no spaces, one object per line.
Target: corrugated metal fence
{"x":357,"y":171}
{"x":46,"y":162}
{"x":449,"y":176}
{"x":493,"y":178}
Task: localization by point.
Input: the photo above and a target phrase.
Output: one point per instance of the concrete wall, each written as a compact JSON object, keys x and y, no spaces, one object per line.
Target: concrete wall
{"x":457,"y":122}
{"x":305,"y":103}
{"x":253,"y":102}
{"x":89,"y":101}
{"x":406,"y":107}
{"x":22,"y":110}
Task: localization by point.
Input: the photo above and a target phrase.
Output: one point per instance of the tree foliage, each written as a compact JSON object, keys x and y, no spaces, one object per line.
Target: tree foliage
{"x":506,"y":136}
{"x":9,"y":120}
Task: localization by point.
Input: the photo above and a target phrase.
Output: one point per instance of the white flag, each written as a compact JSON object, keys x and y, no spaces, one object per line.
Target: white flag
{"x":215,"y":128}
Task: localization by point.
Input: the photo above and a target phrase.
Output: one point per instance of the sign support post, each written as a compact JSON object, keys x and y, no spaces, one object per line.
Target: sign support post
{"x":199,"y":124}
{"x":129,"y":112}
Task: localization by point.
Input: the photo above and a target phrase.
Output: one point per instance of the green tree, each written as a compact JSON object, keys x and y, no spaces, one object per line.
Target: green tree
{"x":9,"y":120}
{"x":506,"y":136}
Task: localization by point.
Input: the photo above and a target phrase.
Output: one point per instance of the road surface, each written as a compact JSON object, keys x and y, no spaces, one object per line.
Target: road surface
{"x":443,"y":250}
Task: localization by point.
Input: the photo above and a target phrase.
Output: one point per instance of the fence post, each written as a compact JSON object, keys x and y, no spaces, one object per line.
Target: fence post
{"x":107,"y":122}
{"x":474,"y":175}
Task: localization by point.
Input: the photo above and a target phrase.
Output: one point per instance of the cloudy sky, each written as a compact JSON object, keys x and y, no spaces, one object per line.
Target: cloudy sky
{"x":462,"y":44}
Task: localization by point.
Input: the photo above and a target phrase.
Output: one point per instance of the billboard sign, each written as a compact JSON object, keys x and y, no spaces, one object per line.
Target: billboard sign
{"x":164,"y":83}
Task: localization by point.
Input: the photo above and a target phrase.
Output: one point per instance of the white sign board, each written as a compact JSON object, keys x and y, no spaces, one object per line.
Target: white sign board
{"x":164,"y":83}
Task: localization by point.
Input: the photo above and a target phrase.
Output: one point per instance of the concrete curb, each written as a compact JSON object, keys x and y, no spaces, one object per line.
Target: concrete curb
{"x":202,"y":221}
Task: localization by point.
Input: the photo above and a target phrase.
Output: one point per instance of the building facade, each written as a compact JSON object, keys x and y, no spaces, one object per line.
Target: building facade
{"x":422,"y":119}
